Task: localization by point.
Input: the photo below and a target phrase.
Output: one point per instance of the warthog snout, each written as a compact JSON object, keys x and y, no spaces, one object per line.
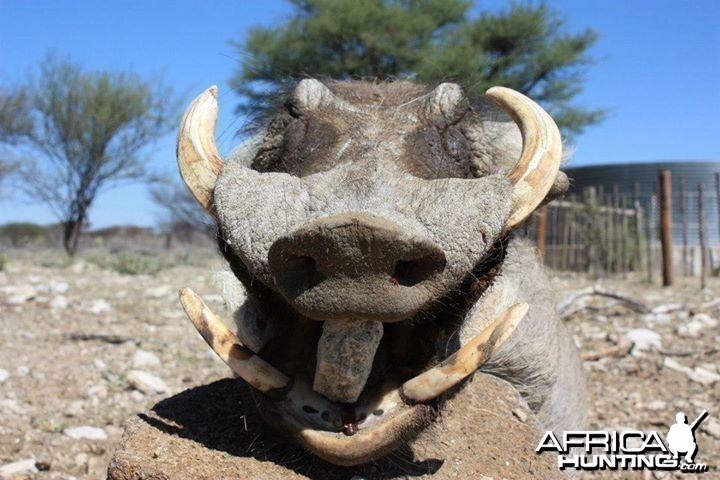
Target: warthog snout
{"x":355,"y":265}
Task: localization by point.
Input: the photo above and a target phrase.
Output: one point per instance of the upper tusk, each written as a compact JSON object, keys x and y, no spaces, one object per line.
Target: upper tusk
{"x":248,"y":366}
{"x":535,"y":172}
{"x":197,"y":156}
{"x":451,"y":371}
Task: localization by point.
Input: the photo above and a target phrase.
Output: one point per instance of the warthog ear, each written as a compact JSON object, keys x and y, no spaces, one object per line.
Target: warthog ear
{"x":534,"y":174}
{"x":197,"y":156}
{"x":443,"y":102}
{"x":311,"y":94}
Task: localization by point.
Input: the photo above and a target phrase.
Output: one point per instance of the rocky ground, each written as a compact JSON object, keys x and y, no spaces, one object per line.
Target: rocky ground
{"x":86,"y":344}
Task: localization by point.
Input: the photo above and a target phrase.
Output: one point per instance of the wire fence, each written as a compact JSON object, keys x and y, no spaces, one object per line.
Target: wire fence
{"x":603,"y":232}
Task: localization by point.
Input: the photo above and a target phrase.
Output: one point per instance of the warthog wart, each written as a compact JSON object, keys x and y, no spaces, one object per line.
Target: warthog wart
{"x":369,"y":229}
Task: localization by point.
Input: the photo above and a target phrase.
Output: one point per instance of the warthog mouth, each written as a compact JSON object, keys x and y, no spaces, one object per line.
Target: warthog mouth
{"x":388,"y":410}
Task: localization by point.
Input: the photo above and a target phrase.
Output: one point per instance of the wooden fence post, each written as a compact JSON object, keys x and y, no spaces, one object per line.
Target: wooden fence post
{"x":649,"y":236}
{"x":683,"y":220}
{"x":701,"y":236}
{"x":624,"y":238}
{"x":609,"y":234}
{"x":666,"y":225}
{"x":541,"y":232}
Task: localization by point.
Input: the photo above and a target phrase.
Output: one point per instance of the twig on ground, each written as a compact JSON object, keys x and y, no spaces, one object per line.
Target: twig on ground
{"x":620,"y":349}
{"x":564,"y":306}
{"x":711,"y":304}
{"x":100,"y":337}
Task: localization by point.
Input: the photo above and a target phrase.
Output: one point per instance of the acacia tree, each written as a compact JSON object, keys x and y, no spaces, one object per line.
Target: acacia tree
{"x":523,"y":47}
{"x":11,"y":125}
{"x":81,"y":132}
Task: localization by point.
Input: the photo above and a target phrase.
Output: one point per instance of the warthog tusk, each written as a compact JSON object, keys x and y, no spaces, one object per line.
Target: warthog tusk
{"x":535,"y":172}
{"x":451,"y":371}
{"x":248,"y":366}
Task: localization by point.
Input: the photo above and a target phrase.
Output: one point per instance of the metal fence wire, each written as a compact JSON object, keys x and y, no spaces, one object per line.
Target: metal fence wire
{"x":611,"y":232}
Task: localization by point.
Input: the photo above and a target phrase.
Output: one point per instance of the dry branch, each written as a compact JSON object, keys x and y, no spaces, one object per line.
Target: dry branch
{"x":620,"y":349}
{"x":568,"y":301}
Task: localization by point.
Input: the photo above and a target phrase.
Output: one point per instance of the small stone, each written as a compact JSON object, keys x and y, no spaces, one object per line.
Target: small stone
{"x":3,"y":375}
{"x":713,"y":367}
{"x":697,"y":374}
{"x":21,"y":467}
{"x":656,"y":318}
{"x":85,"y":432}
{"x":628,"y":366}
{"x":59,"y":288}
{"x":644,"y":339}
{"x":520,"y":414}
{"x":100,"y":365}
{"x":656,"y":405}
{"x":144,"y":359}
{"x":98,"y":307}
{"x":705,"y":377}
{"x":677,"y":366}
{"x":137,"y":396}
{"x":20,"y":294}
{"x":705,"y":319}
{"x":75,"y":408}
{"x":59,"y":302}
{"x":691,"y":329}
{"x":147,"y":382}
{"x":23,"y":370}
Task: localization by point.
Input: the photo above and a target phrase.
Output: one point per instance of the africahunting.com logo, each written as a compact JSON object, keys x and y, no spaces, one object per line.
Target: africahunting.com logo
{"x":628,"y":450}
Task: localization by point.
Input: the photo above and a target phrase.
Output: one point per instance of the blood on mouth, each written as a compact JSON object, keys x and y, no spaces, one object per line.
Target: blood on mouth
{"x":349,"y":420}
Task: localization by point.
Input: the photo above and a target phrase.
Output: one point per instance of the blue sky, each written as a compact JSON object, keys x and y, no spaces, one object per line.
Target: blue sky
{"x":657,"y":72}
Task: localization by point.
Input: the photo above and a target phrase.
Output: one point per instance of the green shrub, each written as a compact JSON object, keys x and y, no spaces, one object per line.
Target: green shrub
{"x":22,"y":233}
{"x":55,"y":260}
{"x":132,"y":263}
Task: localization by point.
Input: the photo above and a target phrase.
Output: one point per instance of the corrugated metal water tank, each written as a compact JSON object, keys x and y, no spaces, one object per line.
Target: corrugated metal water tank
{"x":626,"y":175}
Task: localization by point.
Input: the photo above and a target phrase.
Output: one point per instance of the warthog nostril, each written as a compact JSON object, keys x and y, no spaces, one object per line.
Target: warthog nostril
{"x":300,"y":273}
{"x":412,"y":272}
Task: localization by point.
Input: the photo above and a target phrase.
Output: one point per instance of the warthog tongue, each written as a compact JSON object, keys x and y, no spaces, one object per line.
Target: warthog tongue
{"x":345,"y":355}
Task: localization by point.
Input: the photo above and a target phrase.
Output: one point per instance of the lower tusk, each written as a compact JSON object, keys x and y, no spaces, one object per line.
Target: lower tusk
{"x":248,"y":366}
{"x":451,"y":371}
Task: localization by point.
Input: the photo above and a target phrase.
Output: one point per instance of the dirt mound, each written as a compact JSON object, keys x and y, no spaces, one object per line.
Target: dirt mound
{"x":212,"y":432}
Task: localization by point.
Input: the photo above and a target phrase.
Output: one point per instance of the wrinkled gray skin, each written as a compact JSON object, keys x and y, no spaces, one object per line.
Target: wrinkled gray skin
{"x":453,"y":195}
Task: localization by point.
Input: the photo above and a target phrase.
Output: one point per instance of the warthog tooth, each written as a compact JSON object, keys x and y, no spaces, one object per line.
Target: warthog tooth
{"x":248,"y":366}
{"x":451,"y":371}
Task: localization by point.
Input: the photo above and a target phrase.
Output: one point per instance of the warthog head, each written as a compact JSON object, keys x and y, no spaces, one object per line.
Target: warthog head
{"x":363,"y":224}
